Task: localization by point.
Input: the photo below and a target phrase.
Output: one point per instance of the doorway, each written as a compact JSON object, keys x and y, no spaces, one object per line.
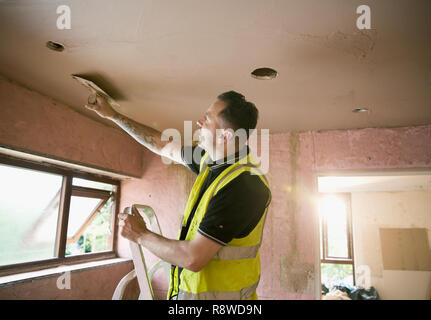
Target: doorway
{"x":374,"y":232}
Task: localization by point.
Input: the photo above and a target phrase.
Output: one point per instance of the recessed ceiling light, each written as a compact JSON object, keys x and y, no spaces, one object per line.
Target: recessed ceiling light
{"x":56,"y":46}
{"x":358,"y":110}
{"x":264,"y":74}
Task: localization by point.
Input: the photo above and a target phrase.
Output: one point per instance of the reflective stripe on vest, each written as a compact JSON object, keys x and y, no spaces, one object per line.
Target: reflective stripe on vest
{"x":243,"y":294}
{"x":204,"y":161}
{"x":237,"y":253}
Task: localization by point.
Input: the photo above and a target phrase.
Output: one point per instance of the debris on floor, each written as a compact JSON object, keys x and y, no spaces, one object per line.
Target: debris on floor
{"x":341,"y":292}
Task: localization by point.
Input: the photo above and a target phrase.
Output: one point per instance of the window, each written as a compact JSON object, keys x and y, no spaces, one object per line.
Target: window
{"x":52,"y":216}
{"x":336,"y":250}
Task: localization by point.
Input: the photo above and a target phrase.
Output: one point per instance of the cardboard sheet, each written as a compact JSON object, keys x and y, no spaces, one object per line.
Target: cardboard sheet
{"x":405,"y":249}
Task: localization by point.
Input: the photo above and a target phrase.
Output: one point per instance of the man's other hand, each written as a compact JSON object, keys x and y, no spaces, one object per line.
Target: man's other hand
{"x":133,"y":227}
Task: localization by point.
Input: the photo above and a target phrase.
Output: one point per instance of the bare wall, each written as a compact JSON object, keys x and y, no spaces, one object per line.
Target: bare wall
{"x":400,"y":209}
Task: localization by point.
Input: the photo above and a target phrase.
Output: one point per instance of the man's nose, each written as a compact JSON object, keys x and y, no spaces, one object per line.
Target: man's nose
{"x":199,"y":123}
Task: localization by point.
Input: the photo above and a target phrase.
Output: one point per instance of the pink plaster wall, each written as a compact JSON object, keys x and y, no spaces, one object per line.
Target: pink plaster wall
{"x":287,"y":253}
{"x":35,"y":123}
{"x":97,"y":283}
{"x":289,"y":240}
{"x":405,"y":147}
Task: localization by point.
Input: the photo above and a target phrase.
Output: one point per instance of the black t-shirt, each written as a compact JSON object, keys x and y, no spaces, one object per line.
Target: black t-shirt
{"x":236,"y":208}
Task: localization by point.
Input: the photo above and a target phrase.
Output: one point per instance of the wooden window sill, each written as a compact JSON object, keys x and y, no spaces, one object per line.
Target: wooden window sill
{"x":10,"y":280}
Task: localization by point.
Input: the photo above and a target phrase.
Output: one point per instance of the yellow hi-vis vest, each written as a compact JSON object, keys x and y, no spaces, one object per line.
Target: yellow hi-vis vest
{"x":234,"y":272}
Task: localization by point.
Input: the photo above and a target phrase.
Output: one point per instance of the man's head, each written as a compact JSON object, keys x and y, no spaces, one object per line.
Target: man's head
{"x":228,"y":114}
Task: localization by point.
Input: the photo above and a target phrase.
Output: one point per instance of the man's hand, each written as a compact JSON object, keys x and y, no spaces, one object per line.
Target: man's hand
{"x":102,"y":108}
{"x":147,"y":136}
{"x":192,"y":255}
{"x":132,"y":227}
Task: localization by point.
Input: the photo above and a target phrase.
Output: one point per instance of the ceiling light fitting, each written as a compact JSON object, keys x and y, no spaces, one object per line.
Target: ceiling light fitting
{"x":55,"y":46}
{"x":359,"y":110}
{"x":264,"y":74}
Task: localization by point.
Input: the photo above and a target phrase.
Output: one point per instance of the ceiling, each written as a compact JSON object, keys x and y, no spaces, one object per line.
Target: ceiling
{"x":166,"y":61}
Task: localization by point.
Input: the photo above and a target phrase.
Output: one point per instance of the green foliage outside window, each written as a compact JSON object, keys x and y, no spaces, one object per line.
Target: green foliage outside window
{"x":95,"y":236}
{"x":335,"y":274}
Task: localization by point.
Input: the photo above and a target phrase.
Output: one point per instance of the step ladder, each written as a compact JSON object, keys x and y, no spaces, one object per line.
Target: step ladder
{"x":141,"y":272}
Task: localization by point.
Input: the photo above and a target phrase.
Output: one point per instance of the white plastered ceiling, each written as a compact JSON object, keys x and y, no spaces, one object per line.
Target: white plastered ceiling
{"x":166,"y":61}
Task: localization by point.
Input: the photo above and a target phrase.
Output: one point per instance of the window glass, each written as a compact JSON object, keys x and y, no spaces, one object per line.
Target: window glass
{"x":29,"y":205}
{"x":80,"y":210}
{"x":334,"y":210}
{"x":88,"y":233}
{"x":336,"y":274}
{"x":92,"y":184}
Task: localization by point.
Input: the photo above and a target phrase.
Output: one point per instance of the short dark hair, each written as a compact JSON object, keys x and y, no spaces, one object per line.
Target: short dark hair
{"x":239,"y":113}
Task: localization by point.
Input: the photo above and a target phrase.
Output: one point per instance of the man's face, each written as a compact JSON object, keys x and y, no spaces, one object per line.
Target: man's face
{"x":208,"y":124}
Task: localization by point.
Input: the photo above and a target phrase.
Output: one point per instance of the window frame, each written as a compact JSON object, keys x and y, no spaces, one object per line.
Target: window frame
{"x":325,"y":258}
{"x":63,"y":215}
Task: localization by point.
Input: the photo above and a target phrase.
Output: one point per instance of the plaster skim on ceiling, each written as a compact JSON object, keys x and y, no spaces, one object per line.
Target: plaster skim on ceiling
{"x":166,"y":61}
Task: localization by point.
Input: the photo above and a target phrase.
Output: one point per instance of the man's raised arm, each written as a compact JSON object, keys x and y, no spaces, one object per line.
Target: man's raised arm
{"x":148,"y":137}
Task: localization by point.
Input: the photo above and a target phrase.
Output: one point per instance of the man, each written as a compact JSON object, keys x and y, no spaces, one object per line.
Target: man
{"x":216,"y":255}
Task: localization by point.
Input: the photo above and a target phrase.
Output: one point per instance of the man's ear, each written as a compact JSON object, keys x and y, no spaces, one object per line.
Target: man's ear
{"x":228,"y":134}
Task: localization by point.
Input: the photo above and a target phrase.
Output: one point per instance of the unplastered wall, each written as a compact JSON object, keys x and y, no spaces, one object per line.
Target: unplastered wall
{"x":404,"y":209}
{"x":288,"y":252}
{"x":36,"y":124}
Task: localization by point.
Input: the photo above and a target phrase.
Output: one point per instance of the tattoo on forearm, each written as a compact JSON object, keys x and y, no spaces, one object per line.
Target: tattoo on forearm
{"x":149,"y":139}
{"x":137,"y":131}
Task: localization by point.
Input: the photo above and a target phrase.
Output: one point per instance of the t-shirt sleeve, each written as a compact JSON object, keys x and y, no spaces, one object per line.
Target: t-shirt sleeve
{"x":192,"y":156}
{"x":235,"y":210}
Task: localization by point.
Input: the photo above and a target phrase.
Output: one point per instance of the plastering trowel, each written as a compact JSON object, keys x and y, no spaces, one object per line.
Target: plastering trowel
{"x":95,"y":90}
